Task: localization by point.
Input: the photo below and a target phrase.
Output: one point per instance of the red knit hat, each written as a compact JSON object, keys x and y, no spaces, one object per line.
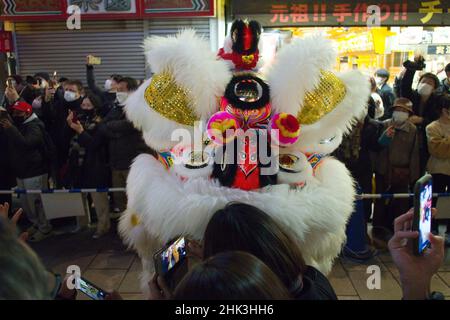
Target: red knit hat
{"x":22,"y":106}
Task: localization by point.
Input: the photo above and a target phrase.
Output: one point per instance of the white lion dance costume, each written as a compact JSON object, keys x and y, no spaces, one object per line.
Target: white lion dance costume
{"x":310,"y":192}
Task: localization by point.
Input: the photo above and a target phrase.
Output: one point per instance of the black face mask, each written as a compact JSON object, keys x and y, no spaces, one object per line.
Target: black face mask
{"x":18,"y":120}
{"x":88,"y":113}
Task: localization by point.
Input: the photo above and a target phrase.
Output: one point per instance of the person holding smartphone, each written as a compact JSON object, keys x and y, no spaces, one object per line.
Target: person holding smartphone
{"x":396,"y":168}
{"x":415,"y":271}
{"x":108,"y":93}
{"x":88,"y":158}
{"x":17,"y":89}
{"x":27,"y":156}
{"x":424,"y":100}
{"x":438,"y":138}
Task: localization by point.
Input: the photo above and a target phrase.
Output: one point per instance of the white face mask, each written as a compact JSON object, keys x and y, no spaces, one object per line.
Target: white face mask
{"x":379,"y":81}
{"x":424,"y":89}
{"x":400,"y":117}
{"x":108,"y":84}
{"x":121,"y":97}
{"x":70,"y":96}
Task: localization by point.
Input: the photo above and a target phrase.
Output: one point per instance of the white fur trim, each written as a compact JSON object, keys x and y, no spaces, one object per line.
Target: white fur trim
{"x":296,"y":70}
{"x":317,"y":214}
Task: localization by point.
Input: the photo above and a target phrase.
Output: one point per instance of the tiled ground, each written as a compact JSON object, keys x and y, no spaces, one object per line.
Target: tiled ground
{"x":107,"y":263}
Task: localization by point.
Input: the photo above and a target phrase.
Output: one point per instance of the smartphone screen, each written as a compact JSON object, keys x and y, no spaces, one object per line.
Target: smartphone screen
{"x":91,"y":291}
{"x":426,"y":197}
{"x":172,"y":256}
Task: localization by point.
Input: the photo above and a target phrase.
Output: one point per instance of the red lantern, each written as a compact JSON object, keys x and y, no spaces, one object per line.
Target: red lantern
{"x":6,"y":41}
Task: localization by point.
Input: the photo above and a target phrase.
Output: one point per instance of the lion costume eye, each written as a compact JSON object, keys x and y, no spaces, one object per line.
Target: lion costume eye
{"x":196,"y":160}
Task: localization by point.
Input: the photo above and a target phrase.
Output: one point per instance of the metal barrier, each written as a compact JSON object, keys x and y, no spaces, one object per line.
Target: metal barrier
{"x":395,"y":196}
{"x":358,"y":197}
{"x":98,"y":190}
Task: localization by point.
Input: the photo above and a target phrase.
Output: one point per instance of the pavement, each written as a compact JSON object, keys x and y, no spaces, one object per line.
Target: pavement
{"x":107,"y":263}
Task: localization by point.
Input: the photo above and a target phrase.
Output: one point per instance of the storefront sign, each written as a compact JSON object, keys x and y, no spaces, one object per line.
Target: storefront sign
{"x":29,"y":10}
{"x":272,"y":13}
{"x":6,"y":41}
{"x":21,"y":9}
{"x":104,"y":9}
{"x":439,"y":50}
{"x":179,"y":7}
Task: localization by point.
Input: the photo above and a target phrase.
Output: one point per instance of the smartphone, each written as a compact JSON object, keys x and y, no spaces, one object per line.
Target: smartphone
{"x":94,"y":60}
{"x":75,"y":117}
{"x":91,"y":290}
{"x":168,"y":258}
{"x":423,"y":199}
{"x":9,"y":83}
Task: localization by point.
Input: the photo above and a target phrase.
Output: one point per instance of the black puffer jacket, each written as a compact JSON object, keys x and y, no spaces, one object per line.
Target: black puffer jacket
{"x":26,"y":145}
{"x":88,"y":158}
{"x":125,"y":141}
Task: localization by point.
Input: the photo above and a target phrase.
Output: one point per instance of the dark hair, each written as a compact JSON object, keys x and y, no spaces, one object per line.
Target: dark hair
{"x":238,"y":26}
{"x":23,"y":276}
{"x":116,"y":77}
{"x":31,"y":80}
{"x":431,"y":76}
{"x":443,"y":102}
{"x":62,"y":79}
{"x":231,"y":275}
{"x":95,"y":100}
{"x":371,"y":107}
{"x":76,"y":83}
{"x":243,"y":227}
{"x":373,"y":83}
{"x":43,"y":75}
{"x":131,"y":83}
{"x":447,"y":68}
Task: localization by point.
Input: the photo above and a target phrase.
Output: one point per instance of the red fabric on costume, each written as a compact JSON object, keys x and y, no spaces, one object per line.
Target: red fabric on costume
{"x":240,"y":61}
{"x":244,"y":182}
{"x":247,"y":173}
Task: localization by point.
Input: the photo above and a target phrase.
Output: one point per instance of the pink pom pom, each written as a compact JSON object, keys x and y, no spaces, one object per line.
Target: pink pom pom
{"x":288,"y":129}
{"x":221,"y":127}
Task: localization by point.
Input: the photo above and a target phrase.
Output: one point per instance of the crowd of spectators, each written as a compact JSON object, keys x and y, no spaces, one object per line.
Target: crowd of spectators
{"x":57,"y":133}
{"x":405,"y":134}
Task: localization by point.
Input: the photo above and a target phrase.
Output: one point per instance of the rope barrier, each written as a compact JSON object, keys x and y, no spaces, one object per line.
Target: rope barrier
{"x":103,"y":190}
{"x":95,"y":190}
{"x":395,"y":196}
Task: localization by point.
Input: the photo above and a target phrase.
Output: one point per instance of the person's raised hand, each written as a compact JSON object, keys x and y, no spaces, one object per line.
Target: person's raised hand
{"x":76,"y":126}
{"x":194,"y":249}
{"x":159,"y":290}
{"x":5,"y":123}
{"x":415,"y":271}
{"x":4,"y":210}
{"x":88,"y":60}
{"x":390,"y":132}
{"x":416,"y":119}
{"x":11,"y":94}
